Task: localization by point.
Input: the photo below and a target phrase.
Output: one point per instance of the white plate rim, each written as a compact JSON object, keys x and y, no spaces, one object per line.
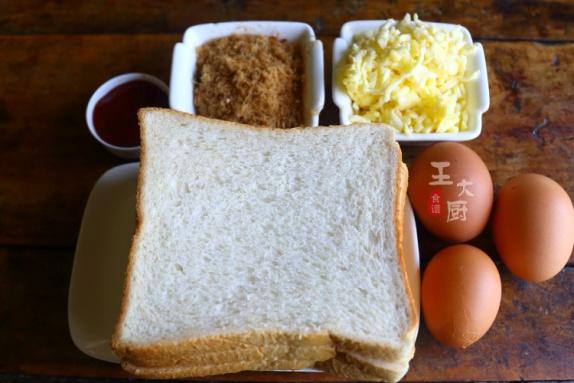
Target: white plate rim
{"x":126,"y":171}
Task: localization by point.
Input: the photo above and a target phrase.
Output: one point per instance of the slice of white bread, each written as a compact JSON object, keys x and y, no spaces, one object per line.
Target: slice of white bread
{"x":253,"y":240}
{"x":354,"y":367}
{"x":349,"y":365}
{"x":346,"y":365}
{"x":266,"y":358}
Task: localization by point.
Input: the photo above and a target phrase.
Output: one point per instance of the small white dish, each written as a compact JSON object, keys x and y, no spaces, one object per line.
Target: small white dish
{"x":102,"y":253}
{"x":477,"y":90}
{"x":184,"y":60}
{"x":120,"y":151}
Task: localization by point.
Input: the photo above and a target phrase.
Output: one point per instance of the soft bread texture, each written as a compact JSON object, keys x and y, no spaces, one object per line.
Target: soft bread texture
{"x":261,"y":248}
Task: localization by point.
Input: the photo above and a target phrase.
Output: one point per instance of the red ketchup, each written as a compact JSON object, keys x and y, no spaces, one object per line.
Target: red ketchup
{"x":115,"y":114}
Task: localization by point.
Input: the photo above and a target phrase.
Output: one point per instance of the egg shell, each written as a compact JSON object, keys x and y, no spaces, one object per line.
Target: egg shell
{"x":533,"y":226}
{"x":461,"y":293}
{"x":445,"y":179}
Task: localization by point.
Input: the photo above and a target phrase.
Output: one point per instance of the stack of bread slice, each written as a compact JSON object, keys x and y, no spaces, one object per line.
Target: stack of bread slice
{"x":265,"y":249}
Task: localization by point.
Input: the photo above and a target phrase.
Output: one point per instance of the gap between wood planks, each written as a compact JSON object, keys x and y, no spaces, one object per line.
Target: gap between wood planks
{"x":319,"y":35}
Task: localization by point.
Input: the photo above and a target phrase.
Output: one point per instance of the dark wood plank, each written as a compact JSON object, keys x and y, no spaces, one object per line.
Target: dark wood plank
{"x":53,"y":162}
{"x":534,"y":319}
{"x":529,"y":126}
{"x":49,"y":160}
{"x":531,"y":338}
{"x":507,"y":19}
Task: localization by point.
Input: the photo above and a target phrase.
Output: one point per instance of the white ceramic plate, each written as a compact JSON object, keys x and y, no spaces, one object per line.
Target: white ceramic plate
{"x":102,"y":252}
{"x":477,"y":90}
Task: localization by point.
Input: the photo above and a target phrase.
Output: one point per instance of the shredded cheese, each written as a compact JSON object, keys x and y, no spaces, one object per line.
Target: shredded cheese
{"x":409,"y":75}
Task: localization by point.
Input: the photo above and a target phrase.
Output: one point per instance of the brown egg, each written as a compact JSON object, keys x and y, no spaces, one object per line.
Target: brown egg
{"x":451,"y":191}
{"x":461,"y":293}
{"x":533,"y":227}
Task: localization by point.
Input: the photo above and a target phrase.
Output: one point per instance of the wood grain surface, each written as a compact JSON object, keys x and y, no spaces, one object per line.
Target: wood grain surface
{"x":492,"y":19}
{"x":531,"y":338}
{"x":54,"y":54}
{"x":529,"y":126}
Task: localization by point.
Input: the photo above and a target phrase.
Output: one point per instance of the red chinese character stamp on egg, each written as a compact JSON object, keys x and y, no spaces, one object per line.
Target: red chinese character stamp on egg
{"x":434,"y":203}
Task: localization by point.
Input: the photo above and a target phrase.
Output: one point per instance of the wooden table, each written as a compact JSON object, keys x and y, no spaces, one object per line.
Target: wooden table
{"x":54,"y":54}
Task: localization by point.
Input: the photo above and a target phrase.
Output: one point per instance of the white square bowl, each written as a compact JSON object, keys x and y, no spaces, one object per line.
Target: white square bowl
{"x":184,"y":60}
{"x":477,"y":90}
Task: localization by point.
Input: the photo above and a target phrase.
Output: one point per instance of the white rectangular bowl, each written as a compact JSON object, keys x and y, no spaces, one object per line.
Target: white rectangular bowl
{"x":477,"y":90}
{"x":184,"y":60}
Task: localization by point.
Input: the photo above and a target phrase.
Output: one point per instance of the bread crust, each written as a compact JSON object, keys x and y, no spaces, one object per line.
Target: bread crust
{"x":401,"y":195}
{"x":208,"y":370}
{"x":260,"y":350}
{"x":254,"y":342}
{"x":270,"y":352}
{"x":268,"y":358}
{"x":352,"y":368}
{"x":115,"y":341}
